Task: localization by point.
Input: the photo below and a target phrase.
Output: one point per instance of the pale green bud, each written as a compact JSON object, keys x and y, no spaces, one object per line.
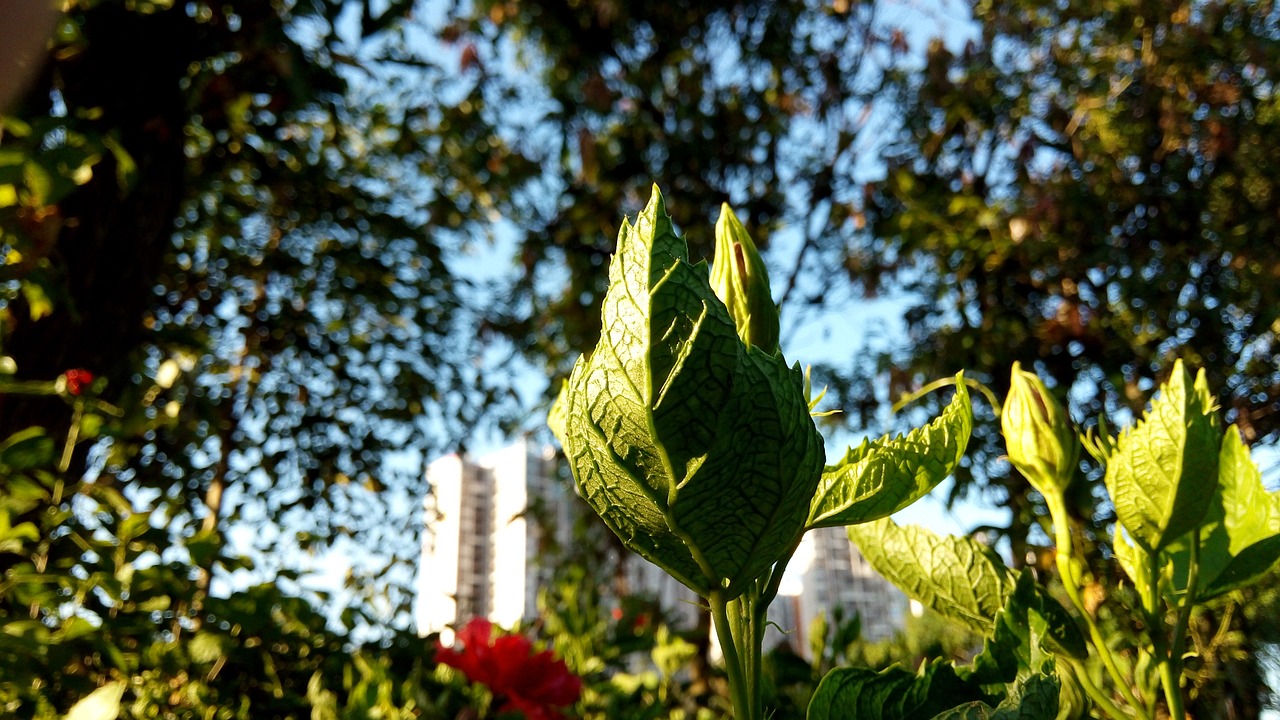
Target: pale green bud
{"x":1041,"y":441}
{"x":739,"y":279}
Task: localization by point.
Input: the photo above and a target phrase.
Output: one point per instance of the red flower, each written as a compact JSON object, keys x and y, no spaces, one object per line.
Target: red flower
{"x":532,"y":683}
{"x":78,"y":380}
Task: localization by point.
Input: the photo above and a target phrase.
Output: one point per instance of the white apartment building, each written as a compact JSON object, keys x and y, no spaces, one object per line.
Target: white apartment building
{"x":830,"y":573}
{"x":480,"y":557}
{"x":479,"y":551}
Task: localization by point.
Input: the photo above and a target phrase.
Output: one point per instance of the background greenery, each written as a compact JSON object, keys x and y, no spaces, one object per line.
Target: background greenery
{"x":259,"y":225}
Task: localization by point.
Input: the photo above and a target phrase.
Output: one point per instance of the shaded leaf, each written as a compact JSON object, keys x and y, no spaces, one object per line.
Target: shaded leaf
{"x":27,"y":449}
{"x":1033,"y":698}
{"x":892,"y":694}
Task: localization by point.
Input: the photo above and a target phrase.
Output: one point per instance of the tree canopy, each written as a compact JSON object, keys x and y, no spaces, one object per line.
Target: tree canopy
{"x":1088,"y":188}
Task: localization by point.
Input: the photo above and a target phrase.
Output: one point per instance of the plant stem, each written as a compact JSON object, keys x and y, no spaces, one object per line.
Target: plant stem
{"x":73,"y":436}
{"x":1164,"y":660}
{"x":1173,"y":690}
{"x":1065,"y":551}
{"x":740,"y":693}
{"x":1095,"y":693}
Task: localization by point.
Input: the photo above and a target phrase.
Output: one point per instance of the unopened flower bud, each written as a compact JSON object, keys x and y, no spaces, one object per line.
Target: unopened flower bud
{"x":1041,"y":441}
{"x":739,"y":279}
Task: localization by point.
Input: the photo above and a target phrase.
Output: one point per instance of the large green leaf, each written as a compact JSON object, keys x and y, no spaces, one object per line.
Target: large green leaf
{"x":1163,"y":471}
{"x":967,"y":582}
{"x":26,"y":449}
{"x":893,"y":694}
{"x":958,"y":577}
{"x":1241,"y":537}
{"x":1033,"y":698}
{"x":1028,"y":632}
{"x":1249,"y":513}
{"x":877,"y":479}
{"x":696,"y":450}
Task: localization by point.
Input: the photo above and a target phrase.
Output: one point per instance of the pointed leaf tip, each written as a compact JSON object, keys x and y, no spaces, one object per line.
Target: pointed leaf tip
{"x":881,"y":477}
{"x":1163,"y":471}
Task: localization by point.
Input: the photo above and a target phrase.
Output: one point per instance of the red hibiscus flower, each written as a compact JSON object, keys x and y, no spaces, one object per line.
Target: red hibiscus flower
{"x":78,"y":380}
{"x":520,"y":679}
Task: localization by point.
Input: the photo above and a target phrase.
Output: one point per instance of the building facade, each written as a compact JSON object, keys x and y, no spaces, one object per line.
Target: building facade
{"x":479,"y":550}
{"x":480,"y":557}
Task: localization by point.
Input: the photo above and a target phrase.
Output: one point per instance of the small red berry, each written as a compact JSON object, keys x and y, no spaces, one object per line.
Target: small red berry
{"x":77,"y":380}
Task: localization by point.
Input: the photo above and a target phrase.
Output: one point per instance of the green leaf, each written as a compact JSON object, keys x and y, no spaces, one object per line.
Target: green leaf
{"x":27,"y":449}
{"x":960,"y":578}
{"x":1250,"y":513}
{"x":556,"y":417}
{"x":967,"y":582}
{"x":159,"y":603}
{"x":1033,"y":698}
{"x":39,"y":183}
{"x":1028,"y":631}
{"x":133,"y":526}
{"x":1131,"y":558}
{"x":697,"y":451}
{"x":1163,"y":471}
{"x":101,"y":704}
{"x":12,"y":537}
{"x":893,"y":694}
{"x":75,"y":627}
{"x":1054,"y":628}
{"x":879,"y":478}
{"x":1240,"y":541}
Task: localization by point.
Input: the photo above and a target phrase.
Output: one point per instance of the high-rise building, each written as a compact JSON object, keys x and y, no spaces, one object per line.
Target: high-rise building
{"x":480,"y":557}
{"x":479,"y":551}
{"x":830,"y":574}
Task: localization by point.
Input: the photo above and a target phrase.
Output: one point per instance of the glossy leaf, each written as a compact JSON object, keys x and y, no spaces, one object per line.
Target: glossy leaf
{"x":877,"y":479}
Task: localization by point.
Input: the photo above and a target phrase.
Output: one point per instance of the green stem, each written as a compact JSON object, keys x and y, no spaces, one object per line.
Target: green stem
{"x":1160,"y":643}
{"x":1095,"y":693}
{"x":740,"y":693}
{"x":73,"y":436}
{"x":1173,"y":690}
{"x":28,"y":387}
{"x":909,"y":398}
{"x":1065,"y":551}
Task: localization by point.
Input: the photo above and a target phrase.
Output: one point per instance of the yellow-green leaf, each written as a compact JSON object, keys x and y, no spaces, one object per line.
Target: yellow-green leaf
{"x":877,"y":479}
